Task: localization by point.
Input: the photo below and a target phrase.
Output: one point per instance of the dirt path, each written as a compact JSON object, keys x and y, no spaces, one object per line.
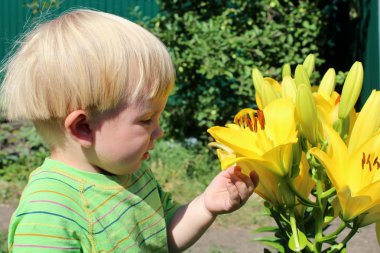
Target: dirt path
{"x":236,"y":239}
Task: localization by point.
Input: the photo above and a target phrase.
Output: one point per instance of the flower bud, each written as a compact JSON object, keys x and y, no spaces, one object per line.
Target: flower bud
{"x":301,"y":76}
{"x":308,"y":64}
{"x":286,"y":71}
{"x":296,"y":159}
{"x":327,"y":85}
{"x":351,"y":90}
{"x":268,"y":94}
{"x":306,"y":111}
{"x":289,"y":89}
{"x":258,"y":81}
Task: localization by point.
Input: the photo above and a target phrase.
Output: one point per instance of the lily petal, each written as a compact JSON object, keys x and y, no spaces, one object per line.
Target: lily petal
{"x":367,"y":123}
{"x":240,"y":140}
{"x":335,"y":159}
{"x":281,"y":126}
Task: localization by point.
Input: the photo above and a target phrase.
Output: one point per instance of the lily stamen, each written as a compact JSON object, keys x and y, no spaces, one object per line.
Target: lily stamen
{"x":249,"y":118}
{"x":248,"y":122}
{"x":255,"y":124}
{"x":363,"y":161}
{"x":337,"y":100}
{"x":260,"y":116}
{"x":375,"y":162}
{"x":367,"y":160}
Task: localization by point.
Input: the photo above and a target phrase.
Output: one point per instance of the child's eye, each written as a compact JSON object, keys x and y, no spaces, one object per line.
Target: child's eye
{"x":146,"y":121}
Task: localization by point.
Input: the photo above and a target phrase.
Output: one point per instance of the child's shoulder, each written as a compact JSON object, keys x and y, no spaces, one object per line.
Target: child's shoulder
{"x":50,"y":179}
{"x":50,"y":192}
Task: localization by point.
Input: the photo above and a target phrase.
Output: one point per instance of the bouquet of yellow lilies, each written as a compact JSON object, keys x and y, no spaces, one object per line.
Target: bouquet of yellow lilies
{"x":317,"y":159}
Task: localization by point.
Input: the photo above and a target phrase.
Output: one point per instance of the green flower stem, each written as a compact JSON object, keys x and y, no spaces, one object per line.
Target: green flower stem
{"x":328,"y":193}
{"x":319,"y":213}
{"x":278,"y":222}
{"x":303,"y":200}
{"x":334,"y":234}
{"x":318,"y":230}
{"x":353,"y":231}
{"x":294,"y":227}
{"x":348,"y":237}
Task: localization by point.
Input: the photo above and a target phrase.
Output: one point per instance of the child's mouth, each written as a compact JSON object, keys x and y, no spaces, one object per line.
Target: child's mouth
{"x":145,"y":156}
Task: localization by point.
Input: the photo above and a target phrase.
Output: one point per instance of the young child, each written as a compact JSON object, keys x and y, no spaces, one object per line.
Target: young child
{"x":95,"y":85}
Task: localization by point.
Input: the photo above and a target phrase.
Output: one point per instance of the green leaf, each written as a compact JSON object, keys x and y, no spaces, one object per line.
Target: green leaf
{"x":276,"y":246}
{"x":336,"y":248}
{"x":302,"y":242}
{"x":266,"y":229}
{"x":266,"y":239}
{"x":272,"y":242}
{"x":329,"y":215}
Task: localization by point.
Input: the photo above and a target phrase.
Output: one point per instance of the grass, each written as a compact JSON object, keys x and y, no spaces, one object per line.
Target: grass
{"x":3,"y":242}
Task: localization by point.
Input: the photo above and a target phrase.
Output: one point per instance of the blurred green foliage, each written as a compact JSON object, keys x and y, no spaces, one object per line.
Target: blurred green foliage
{"x":3,"y":242}
{"x":215,"y":44}
{"x":39,"y":6}
{"x":21,"y":151}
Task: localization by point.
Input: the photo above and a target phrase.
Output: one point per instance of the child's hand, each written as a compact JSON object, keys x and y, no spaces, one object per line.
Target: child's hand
{"x":229,"y":190}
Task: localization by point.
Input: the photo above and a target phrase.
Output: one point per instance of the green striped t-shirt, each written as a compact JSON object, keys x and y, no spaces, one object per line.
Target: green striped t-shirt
{"x":63,"y":209}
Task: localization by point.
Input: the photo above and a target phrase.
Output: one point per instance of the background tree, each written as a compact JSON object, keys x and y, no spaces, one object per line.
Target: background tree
{"x":215,"y":44}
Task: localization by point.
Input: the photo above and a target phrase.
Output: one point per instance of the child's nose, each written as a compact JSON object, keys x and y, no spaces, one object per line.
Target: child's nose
{"x":158,"y":133}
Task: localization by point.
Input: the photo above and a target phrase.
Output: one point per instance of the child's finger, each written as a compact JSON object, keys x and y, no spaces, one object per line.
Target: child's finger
{"x":235,"y":200}
{"x":233,"y":169}
{"x":255,"y":178}
{"x":252,"y":180}
{"x":244,"y":186}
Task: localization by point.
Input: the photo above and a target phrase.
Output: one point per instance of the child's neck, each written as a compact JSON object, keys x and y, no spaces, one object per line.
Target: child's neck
{"x":74,"y":158}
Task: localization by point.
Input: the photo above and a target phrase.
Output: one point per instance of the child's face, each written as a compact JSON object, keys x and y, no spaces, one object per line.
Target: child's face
{"x":124,"y":140}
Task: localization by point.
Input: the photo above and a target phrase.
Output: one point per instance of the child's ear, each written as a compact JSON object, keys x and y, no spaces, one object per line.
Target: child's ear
{"x":78,"y":126}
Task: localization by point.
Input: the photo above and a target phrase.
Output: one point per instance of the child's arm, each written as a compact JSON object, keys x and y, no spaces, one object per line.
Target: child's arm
{"x":229,"y":190}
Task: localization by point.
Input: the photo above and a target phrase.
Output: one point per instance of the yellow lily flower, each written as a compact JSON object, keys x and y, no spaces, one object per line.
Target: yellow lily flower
{"x":357,"y":186}
{"x":264,"y":136}
{"x":355,"y":176}
{"x":272,"y":187}
{"x":327,"y":108}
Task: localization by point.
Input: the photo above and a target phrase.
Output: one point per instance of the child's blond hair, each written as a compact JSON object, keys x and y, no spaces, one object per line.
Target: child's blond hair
{"x":86,"y":60}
